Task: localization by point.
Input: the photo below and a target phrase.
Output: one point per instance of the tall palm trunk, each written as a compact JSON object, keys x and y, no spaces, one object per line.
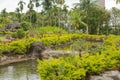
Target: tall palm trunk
{"x":59,"y":19}
{"x":37,"y":16}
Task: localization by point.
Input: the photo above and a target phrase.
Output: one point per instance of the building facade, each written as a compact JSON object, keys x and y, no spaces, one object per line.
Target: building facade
{"x":101,"y":3}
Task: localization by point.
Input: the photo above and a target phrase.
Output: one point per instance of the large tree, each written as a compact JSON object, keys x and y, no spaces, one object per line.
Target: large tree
{"x":98,"y":18}
{"x":93,"y":15}
{"x":84,"y":5}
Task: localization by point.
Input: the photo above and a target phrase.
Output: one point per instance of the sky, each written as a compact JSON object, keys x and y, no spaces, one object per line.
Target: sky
{"x":11,"y":5}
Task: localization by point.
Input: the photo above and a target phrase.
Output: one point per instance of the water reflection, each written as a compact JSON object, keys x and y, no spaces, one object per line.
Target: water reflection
{"x":19,"y":71}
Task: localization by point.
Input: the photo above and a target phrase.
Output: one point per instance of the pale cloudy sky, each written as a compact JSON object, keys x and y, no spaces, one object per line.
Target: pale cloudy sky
{"x":10,"y":5}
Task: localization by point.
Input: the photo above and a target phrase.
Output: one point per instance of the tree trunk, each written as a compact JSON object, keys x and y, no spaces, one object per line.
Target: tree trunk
{"x":87,"y":30}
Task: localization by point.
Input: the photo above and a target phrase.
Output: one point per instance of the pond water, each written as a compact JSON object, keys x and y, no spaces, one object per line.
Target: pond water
{"x":19,"y":71}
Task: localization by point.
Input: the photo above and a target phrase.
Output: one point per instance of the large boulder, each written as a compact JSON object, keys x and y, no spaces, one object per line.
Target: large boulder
{"x":36,"y":49}
{"x":108,"y":75}
{"x":12,"y":26}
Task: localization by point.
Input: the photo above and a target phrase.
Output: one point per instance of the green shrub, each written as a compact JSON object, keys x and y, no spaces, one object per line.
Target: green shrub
{"x":59,"y":69}
{"x":76,"y":68}
{"x":52,"y":39}
{"x":17,"y":47}
{"x":25,"y":25}
{"x":20,"y":46}
{"x":19,"y":34}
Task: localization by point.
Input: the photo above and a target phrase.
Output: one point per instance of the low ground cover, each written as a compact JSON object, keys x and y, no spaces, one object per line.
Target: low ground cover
{"x":80,"y":68}
{"x":20,"y":46}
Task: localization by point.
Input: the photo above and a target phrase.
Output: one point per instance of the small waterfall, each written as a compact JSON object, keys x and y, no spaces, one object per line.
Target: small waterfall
{"x":36,"y":50}
{"x":33,"y":54}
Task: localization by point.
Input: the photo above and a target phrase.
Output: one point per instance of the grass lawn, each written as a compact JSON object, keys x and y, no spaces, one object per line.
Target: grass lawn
{"x":2,"y":37}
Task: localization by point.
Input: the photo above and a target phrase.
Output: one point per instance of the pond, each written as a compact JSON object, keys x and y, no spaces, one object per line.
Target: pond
{"x":19,"y":71}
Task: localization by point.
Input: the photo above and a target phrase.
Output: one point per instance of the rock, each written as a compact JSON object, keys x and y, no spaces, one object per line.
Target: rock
{"x":100,"y":78}
{"x":3,"y":58}
{"x":11,"y":26}
{"x":115,"y":75}
{"x":36,"y":48}
{"x":57,"y":53}
{"x":109,"y":75}
{"x":20,"y":56}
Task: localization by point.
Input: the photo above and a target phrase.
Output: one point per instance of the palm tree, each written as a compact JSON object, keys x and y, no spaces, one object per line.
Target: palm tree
{"x":30,"y":6}
{"x":55,"y":15}
{"x":47,"y":9}
{"x":47,"y":5}
{"x":31,"y":13}
{"x":17,"y":10}
{"x":18,"y":15}
{"x":65,"y":12}
{"x":37,"y":4}
{"x":4,"y":15}
{"x":60,"y":4}
{"x":21,"y":5}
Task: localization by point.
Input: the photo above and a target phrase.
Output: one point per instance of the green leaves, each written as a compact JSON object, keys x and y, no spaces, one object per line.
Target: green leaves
{"x":58,"y":39}
{"x":76,"y":19}
{"x":21,"y":5}
{"x":76,"y":68}
{"x":59,"y":69}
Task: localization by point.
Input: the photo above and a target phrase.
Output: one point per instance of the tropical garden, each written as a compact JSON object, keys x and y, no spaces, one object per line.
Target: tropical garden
{"x":89,"y":29}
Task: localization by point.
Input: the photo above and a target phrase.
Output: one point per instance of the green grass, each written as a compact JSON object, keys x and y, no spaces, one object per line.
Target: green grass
{"x":2,"y":37}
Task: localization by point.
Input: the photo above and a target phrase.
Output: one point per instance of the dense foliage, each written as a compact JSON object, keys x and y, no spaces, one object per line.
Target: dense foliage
{"x":63,"y":26}
{"x":19,"y":34}
{"x":20,"y":46}
{"x":25,"y":25}
{"x":76,"y":67}
{"x":85,"y":16}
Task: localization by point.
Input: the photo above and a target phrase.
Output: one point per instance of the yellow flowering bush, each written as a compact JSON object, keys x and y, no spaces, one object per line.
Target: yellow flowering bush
{"x":77,"y":68}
